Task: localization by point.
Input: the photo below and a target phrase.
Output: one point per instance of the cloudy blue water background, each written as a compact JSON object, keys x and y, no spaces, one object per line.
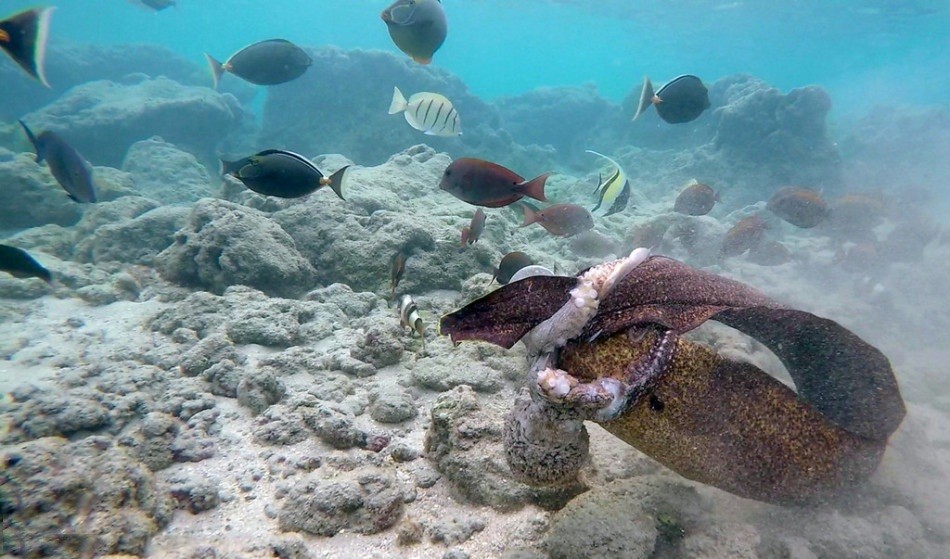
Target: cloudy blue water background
{"x":227,"y":355}
{"x":863,"y":52}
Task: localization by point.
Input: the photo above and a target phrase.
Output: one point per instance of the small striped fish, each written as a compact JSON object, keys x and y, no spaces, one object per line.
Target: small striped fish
{"x":430,"y":113}
{"x":409,"y":318}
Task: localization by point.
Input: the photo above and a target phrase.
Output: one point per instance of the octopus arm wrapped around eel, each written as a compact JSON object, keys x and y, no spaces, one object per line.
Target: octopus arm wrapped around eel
{"x":615,"y":357}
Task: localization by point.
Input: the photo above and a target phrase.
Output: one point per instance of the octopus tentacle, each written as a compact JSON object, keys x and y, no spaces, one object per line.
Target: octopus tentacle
{"x":571,"y":319}
{"x":641,"y":375}
{"x":607,"y":398}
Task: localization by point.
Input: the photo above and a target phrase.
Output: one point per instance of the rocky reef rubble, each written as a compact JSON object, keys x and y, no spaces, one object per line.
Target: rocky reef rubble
{"x":137,"y":108}
{"x":69,"y":65}
{"x":229,"y":379}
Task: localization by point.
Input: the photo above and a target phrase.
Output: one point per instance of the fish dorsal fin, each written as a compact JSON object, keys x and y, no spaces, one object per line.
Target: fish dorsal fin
{"x":612,"y":162}
{"x":679,"y":78}
{"x":245,"y":47}
{"x":291,"y":155}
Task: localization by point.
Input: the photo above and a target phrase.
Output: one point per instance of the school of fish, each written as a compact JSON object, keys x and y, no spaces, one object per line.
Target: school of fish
{"x":419,"y":28}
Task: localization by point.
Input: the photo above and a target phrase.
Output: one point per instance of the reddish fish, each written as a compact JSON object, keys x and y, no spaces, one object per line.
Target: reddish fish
{"x":398,"y":263}
{"x":853,"y":216}
{"x":483,"y":183}
{"x":473,"y":231}
{"x":563,"y":220}
{"x":696,"y":199}
{"x":744,"y":235}
{"x":802,"y":207}
{"x":860,"y":258}
{"x":770,"y":253}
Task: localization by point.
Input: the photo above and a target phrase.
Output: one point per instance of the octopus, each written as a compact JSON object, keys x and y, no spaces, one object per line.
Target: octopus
{"x":607,"y":346}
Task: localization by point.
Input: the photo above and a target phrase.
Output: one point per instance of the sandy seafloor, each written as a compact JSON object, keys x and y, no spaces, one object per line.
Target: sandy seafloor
{"x":65,"y":341}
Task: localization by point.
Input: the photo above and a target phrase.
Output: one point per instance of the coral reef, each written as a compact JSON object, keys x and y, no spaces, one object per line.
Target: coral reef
{"x":226,"y":244}
{"x":135,"y":109}
{"x":69,"y":65}
{"x":164,"y":172}
{"x":225,"y":372}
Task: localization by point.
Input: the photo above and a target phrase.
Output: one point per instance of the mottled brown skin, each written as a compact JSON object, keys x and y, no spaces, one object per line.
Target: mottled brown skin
{"x":721,"y":422}
{"x":728,"y":424}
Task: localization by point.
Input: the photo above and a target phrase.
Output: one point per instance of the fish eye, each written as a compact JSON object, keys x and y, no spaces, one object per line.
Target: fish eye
{"x":448,"y":172}
{"x":403,"y":14}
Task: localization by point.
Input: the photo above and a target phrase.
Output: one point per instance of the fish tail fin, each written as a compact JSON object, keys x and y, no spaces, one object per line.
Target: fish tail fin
{"x":336,"y":181}
{"x":23,"y":36}
{"x":229,"y":167}
{"x":646,"y":97}
{"x":39,"y":52}
{"x":29,"y":134}
{"x":530,"y":215}
{"x":534,"y":188}
{"x":217,"y":68}
{"x":398,"y":103}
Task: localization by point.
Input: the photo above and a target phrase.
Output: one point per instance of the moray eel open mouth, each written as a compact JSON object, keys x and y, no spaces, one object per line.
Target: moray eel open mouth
{"x":616,"y":357}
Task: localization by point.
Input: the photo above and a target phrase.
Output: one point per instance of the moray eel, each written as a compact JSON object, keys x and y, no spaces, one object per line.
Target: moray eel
{"x":606,"y":347}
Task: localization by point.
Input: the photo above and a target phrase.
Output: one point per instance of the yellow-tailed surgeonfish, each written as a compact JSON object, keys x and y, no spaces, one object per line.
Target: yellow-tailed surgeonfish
{"x":430,"y":113}
{"x":285,"y":174}
{"x":614,"y":192}
{"x":269,"y":62}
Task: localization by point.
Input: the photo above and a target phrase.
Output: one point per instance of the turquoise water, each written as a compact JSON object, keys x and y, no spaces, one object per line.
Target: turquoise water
{"x":863,"y":52}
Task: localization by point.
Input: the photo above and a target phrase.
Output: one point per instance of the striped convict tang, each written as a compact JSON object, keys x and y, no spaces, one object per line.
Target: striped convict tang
{"x":428,"y":112}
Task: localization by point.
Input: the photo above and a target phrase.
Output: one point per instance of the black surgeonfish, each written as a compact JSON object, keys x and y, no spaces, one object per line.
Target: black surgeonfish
{"x":417,"y":27}
{"x":19,"y":264}
{"x":509,"y":264}
{"x":269,"y":62}
{"x":23,"y":37}
{"x":681,"y":100}
{"x":280,"y":173}
{"x":68,"y":167}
